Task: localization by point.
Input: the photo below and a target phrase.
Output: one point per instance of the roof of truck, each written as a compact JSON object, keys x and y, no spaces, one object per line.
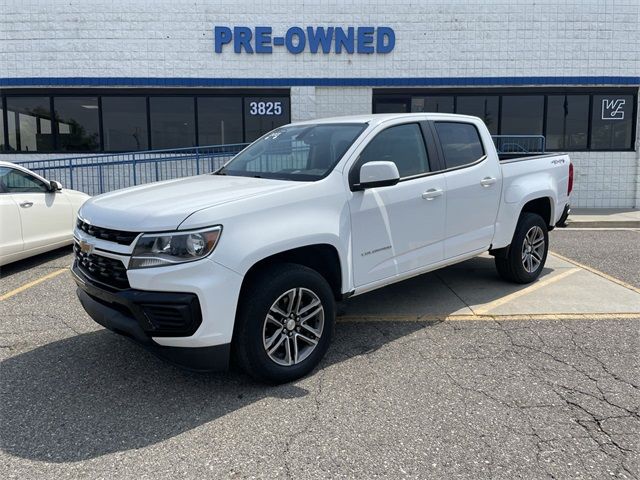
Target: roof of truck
{"x":376,"y":118}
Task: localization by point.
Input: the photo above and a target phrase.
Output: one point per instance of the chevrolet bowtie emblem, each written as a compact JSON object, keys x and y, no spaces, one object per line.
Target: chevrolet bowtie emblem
{"x":86,"y":247}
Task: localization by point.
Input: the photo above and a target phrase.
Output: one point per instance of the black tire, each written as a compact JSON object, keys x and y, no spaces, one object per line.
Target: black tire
{"x":510,"y":266}
{"x":265,"y":288}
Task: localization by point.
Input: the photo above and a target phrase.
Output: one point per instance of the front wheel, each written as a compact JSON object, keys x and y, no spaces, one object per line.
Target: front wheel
{"x":527,"y":254}
{"x":285,"y":323}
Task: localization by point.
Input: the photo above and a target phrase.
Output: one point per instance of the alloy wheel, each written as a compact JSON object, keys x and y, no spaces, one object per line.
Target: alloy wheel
{"x":293,"y":326}
{"x":533,"y":249}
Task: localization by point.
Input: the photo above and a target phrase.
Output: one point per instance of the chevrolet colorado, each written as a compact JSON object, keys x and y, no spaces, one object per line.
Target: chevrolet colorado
{"x":249,"y":261}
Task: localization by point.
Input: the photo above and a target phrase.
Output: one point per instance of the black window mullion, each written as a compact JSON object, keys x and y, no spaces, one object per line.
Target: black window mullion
{"x":500,"y":114}
{"x":590,"y":124}
{"x":544,"y":121}
{"x":195,"y":112}
{"x":54,"y":124}
{"x":100,"y":127}
{"x":149,"y":146}
{"x":244,"y":123}
{"x":5,"y":124}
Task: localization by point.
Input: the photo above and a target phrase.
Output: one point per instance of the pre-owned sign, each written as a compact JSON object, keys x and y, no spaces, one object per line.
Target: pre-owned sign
{"x":366,"y":40}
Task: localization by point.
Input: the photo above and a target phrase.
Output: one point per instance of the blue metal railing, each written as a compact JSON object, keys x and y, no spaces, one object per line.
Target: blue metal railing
{"x":519,"y":144}
{"x":95,"y":174}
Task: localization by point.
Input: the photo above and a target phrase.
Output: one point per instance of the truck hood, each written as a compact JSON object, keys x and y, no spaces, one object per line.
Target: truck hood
{"x":164,"y":206}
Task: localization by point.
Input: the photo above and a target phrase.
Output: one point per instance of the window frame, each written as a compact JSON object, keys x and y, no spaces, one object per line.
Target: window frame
{"x":443,"y":160}
{"x":400,"y":95}
{"x":429,"y":146}
{"x":194,"y":93}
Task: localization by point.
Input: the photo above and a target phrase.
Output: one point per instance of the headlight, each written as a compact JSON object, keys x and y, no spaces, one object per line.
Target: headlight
{"x":160,"y":249}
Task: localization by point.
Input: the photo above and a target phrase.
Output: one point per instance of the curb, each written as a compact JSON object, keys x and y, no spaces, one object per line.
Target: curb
{"x":603,"y":224}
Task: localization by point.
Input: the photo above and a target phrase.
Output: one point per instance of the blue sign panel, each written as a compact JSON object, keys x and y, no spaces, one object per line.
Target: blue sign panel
{"x":297,"y":40}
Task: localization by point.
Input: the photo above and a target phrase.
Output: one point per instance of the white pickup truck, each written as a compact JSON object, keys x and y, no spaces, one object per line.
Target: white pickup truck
{"x":248,"y":262}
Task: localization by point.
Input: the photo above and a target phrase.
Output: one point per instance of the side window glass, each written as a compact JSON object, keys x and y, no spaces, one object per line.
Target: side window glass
{"x":402,"y":145}
{"x":460,"y":142}
{"x":16,"y":181}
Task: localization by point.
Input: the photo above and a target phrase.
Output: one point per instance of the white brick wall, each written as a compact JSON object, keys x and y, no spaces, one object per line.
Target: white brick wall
{"x":173,"y":38}
{"x":434,"y":38}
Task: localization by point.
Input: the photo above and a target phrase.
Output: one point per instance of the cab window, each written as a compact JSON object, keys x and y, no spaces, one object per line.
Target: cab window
{"x":402,"y":145}
{"x":460,"y":142}
{"x":17,"y":181}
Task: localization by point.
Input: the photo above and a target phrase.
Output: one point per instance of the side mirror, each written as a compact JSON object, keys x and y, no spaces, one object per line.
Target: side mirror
{"x":377,"y":174}
{"x":55,"y":186}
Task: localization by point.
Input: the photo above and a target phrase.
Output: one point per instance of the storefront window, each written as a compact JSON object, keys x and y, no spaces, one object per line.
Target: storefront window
{"x":522,"y":114}
{"x":390,"y":106}
{"x":78,"y":123}
{"x":29,"y":122}
{"x":124,"y":123}
{"x":612,"y":119}
{"x":263,"y":114}
{"x":173,"y":122}
{"x":435,"y":104}
{"x":219,"y":120}
{"x":567,"y":122}
{"x":485,"y":107}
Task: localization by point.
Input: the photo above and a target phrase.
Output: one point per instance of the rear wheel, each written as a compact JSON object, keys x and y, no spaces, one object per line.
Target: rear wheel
{"x":527,"y":254}
{"x":285,"y":323}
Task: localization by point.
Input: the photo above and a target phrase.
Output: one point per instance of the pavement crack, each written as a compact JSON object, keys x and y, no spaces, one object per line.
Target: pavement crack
{"x":446,"y":284}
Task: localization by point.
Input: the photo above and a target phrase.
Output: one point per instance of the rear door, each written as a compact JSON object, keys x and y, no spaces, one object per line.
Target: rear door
{"x":473,"y":183}
{"x":399,"y":228}
{"x":46,"y":217}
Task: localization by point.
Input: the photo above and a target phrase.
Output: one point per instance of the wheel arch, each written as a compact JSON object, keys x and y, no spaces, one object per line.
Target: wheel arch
{"x":542,"y":206}
{"x":321,"y":257}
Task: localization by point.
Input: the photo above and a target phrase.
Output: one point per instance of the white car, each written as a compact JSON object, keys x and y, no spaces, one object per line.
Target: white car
{"x":250,"y":260}
{"x":36,"y":215}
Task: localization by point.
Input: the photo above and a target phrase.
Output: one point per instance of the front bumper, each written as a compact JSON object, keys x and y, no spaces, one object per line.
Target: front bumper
{"x":149,"y":317}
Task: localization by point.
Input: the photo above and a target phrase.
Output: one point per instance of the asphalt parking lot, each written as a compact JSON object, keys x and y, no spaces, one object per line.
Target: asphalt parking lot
{"x":452,"y":374}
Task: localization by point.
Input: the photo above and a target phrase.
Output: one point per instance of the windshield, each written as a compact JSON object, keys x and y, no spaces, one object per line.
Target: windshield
{"x":298,"y":152}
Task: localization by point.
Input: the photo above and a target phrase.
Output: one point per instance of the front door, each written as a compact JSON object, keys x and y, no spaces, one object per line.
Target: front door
{"x":45,"y":216}
{"x":398,"y":228}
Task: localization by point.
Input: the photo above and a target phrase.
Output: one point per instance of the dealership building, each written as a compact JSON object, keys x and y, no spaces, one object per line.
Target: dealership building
{"x":80,"y":77}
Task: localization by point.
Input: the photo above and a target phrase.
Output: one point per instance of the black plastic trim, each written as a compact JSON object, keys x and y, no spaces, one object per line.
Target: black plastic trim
{"x":131,"y":303}
{"x":200,"y":359}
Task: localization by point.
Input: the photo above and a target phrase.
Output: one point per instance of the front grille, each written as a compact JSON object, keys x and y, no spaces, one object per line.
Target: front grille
{"x":117,"y":236}
{"x":106,"y":270}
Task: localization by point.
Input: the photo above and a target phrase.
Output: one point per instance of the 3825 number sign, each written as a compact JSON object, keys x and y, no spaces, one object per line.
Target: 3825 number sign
{"x":265,"y":108}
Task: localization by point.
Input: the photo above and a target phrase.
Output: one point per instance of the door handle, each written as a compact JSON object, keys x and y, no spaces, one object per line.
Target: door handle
{"x":487,"y":181}
{"x":432,"y":193}
{"x":26,"y":204}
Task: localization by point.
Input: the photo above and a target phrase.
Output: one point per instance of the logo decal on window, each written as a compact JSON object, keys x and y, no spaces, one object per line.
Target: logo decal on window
{"x":612,"y":109}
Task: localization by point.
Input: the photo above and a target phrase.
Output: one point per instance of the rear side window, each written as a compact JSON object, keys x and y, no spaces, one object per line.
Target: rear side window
{"x":402,"y":145}
{"x":460,"y":143}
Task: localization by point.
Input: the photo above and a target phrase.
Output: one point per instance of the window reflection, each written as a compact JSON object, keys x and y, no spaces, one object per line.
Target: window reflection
{"x":124,"y":123}
{"x":78,"y":123}
{"x":567,"y":122}
{"x":522,"y":114}
{"x":219,"y":120}
{"x":436,"y":104}
{"x":612,"y":122}
{"x":29,"y":122}
{"x":484,"y":107}
{"x":173,"y":123}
